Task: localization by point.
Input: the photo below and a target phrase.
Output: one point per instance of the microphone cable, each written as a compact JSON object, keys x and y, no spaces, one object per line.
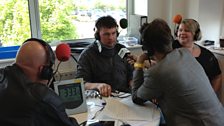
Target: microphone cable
{"x":103,"y":104}
{"x":74,"y":58}
{"x":118,"y":94}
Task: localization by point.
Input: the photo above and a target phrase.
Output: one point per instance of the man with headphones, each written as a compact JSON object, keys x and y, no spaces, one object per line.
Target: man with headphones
{"x":100,"y":65}
{"x":177,"y":81}
{"x":187,"y":33}
{"x":25,"y":98}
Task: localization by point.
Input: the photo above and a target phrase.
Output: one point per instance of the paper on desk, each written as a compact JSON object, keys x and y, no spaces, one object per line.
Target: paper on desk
{"x":125,"y":109}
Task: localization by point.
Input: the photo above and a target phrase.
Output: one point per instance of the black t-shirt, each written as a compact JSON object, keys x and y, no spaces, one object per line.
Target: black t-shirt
{"x":207,"y":60}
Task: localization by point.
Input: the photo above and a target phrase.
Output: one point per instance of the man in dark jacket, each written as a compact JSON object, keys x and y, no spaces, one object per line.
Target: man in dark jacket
{"x":100,"y":65}
{"x":25,"y":99}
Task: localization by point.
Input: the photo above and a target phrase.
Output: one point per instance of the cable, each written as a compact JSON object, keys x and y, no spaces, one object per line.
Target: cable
{"x":53,"y":79}
{"x":119,"y":94}
{"x":95,"y":94}
{"x":74,"y":58}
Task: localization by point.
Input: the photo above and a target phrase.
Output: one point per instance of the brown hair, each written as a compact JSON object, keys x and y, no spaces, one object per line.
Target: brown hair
{"x":157,"y":36}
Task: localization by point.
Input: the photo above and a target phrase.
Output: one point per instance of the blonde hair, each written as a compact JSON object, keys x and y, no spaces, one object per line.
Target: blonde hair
{"x":194,"y":27}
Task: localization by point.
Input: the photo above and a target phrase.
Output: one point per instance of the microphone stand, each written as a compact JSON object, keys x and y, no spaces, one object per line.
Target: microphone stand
{"x":51,"y":81}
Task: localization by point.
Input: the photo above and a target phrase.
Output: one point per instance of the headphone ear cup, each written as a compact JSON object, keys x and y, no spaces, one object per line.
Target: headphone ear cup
{"x":117,"y":33}
{"x":46,"y":73}
{"x":97,"y":36}
{"x":197,"y":35}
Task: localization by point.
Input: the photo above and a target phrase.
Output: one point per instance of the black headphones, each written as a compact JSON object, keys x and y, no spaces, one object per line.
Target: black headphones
{"x":105,"y":21}
{"x":146,"y":46}
{"x":47,"y":71}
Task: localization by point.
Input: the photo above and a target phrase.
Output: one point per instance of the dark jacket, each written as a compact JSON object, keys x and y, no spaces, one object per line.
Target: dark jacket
{"x":105,"y":67}
{"x":29,"y":104}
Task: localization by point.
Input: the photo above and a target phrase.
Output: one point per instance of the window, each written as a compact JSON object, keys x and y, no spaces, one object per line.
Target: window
{"x":14,"y":22}
{"x":140,"y":8}
{"x":54,"y":19}
{"x":75,"y":19}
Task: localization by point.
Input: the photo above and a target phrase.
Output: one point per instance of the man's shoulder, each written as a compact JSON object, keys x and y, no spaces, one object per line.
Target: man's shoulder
{"x":182,"y":52}
{"x":42,"y":93}
{"x":51,"y":105}
{"x":90,"y":48}
{"x":3,"y":80}
{"x":7,"y":72}
{"x":2,"y":74}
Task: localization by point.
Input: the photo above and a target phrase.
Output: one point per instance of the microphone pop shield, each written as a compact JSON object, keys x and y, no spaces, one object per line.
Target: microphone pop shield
{"x":177,"y":19}
{"x":123,"y":23}
{"x":63,"y":52}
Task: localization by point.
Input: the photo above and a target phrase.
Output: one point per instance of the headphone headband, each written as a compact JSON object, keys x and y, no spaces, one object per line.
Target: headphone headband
{"x":105,"y":21}
{"x":49,"y":51}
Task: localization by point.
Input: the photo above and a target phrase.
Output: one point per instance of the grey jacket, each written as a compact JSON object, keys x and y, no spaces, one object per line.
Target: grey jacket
{"x":182,"y":89}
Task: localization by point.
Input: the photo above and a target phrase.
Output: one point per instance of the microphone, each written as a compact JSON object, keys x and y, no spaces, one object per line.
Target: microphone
{"x":177,"y":19}
{"x":123,"y":23}
{"x":123,"y":52}
{"x":63,"y":52}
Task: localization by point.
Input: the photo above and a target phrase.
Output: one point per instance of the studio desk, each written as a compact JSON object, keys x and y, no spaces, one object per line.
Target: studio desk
{"x":120,"y":109}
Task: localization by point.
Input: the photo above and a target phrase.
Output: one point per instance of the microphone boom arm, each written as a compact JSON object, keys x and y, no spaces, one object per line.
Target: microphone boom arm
{"x":74,"y":58}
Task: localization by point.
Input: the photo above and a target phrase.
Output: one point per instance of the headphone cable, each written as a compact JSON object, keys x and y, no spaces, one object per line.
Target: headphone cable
{"x":52,"y":78}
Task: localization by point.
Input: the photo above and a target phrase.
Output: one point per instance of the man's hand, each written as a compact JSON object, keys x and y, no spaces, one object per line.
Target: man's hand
{"x":105,"y":89}
{"x":131,"y":59}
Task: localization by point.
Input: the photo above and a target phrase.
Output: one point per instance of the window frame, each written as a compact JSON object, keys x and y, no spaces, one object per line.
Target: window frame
{"x":33,"y":7}
{"x":35,"y":16}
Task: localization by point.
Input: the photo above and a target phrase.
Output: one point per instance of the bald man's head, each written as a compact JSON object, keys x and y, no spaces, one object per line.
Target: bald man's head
{"x":31,"y":53}
{"x":33,"y":57}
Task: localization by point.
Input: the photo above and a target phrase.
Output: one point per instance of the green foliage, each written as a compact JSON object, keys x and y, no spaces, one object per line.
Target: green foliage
{"x":14,"y":21}
{"x":56,"y":24}
{"x":56,"y":20}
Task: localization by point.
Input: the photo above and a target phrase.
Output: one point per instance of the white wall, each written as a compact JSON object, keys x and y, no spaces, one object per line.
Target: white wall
{"x":157,"y":9}
{"x":222,"y":24}
{"x":192,"y":10}
{"x":209,"y":14}
{"x":210,"y":18}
